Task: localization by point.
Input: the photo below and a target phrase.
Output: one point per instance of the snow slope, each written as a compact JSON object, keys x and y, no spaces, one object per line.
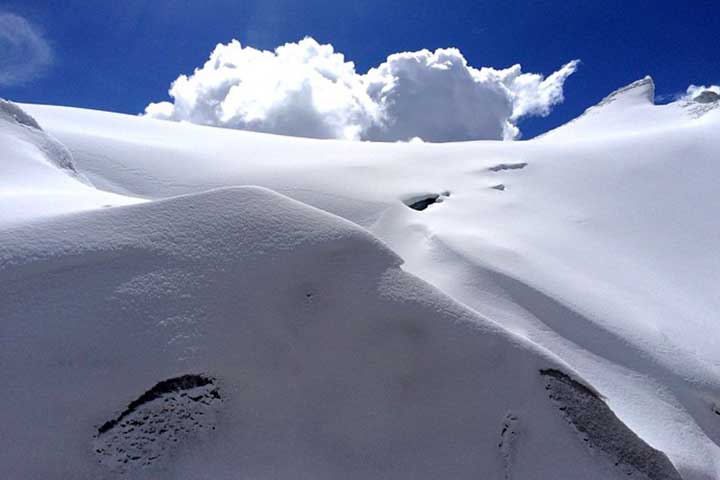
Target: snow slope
{"x":39,"y":178}
{"x":329,"y":360}
{"x":590,"y":251}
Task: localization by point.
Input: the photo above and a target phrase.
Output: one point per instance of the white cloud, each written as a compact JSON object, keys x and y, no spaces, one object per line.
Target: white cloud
{"x":437,"y":97}
{"x":308,"y":89}
{"x":25,"y":53}
{"x":534,"y":94}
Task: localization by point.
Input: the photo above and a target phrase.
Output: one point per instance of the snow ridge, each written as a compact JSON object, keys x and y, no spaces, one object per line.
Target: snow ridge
{"x":9,"y":111}
{"x":600,"y":428}
{"x":54,"y":151}
{"x":643,"y":88}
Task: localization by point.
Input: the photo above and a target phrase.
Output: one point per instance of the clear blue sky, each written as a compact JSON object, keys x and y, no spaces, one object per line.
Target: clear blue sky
{"x":120,"y":55}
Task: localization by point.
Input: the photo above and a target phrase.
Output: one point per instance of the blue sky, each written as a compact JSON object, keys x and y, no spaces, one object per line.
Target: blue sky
{"x":121,"y":55}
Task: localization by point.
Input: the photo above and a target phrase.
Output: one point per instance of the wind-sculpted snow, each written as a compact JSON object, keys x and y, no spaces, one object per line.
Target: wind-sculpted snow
{"x":12,"y":113}
{"x":26,"y":127}
{"x":39,"y":177}
{"x":590,"y":251}
{"x":643,"y":88}
{"x":601,"y":429}
{"x":328,"y":359}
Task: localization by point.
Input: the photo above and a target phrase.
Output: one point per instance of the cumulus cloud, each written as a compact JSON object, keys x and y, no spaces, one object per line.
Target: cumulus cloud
{"x":307,"y":89}
{"x":25,"y":53}
{"x":436,"y":96}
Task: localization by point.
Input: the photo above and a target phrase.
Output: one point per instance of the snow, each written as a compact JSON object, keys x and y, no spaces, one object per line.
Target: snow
{"x":330,"y":360}
{"x":350,"y":335}
{"x":39,"y":177}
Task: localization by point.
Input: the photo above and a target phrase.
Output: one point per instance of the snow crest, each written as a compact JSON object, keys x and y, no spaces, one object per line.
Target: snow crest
{"x":54,"y":151}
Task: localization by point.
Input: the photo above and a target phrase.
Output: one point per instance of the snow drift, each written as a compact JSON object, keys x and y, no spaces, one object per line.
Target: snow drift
{"x":328,"y":359}
{"x":548,"y":313}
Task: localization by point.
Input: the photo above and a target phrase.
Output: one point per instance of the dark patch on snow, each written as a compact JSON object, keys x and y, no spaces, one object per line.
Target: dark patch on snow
{"x":11,"y":112}
{"x":600,"y":428}
{"x":708,"y":96}
{"x":508,"y":436}
{"x":53,"y":150}
{"x":507,"y":431}
{"x":184,"y":382}
{"x":499,"y":186}
{"x":161,"y":418}
{"x":424,"y":201}
{"x":507,"y":166}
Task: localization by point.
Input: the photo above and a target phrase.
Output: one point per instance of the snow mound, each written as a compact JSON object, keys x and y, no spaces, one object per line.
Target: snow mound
{"x":330,"y":360}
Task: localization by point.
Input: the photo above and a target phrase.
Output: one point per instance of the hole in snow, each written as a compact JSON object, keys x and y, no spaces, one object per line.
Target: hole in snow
{"x":599,"y":428}
{"x":499,"y":186}
{"x":507,"y":166}
{"x":170,"y":412}
{"x":424,"y":201}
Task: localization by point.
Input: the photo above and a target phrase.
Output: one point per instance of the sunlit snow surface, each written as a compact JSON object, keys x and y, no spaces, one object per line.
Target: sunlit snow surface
{"x":346,"y":334}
